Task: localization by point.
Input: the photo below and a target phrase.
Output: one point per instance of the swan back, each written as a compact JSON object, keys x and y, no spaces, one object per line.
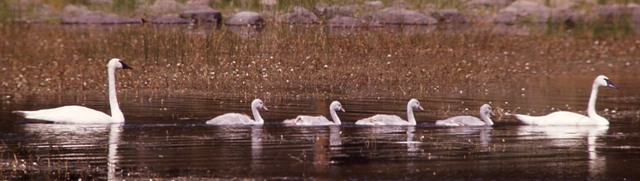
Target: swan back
{"x":318,"y":120}
{"x":382,"y":119}
{"x":241,"y":119}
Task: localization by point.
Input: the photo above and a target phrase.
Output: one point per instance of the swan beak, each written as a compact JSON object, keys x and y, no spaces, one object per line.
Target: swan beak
{"x":420,"y":107}
{"x":610,"y":84}
{"x":265,"y":108}
{"x":492,"y":113}
{"x":125,"y":66}
{"x":342,"y":109}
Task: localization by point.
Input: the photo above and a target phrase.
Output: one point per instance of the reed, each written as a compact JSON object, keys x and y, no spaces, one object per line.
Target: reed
{"x":284,"y":60}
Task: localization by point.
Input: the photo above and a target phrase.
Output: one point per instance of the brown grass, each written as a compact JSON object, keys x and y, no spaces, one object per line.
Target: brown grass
{"x":296,"y":60}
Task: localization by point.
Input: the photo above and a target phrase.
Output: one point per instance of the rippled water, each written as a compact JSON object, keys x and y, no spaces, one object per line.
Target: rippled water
{"x":165,"y":137}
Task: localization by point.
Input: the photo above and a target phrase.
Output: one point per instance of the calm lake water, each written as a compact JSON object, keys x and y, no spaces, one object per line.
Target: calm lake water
{"x":165,"y":137}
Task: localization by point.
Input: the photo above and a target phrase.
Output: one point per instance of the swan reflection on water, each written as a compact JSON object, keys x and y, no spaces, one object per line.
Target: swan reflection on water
{"x":90,"y":138}
{"x":567,"y":136}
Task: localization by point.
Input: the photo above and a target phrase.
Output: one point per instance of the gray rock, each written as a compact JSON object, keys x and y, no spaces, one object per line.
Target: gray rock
{"x":505,"y":18}
{"x":611,"y":13}
{"x":162,"y":6}
{"x":245,"y":18}
{"x":300,"y":15}
{"x":449,"y":16}
{"x":373,"y":4}
{"x":202,"y":14}
{"x":343,"y":21}
{"x":530,"y":10}
{"x":167,"y":19}
{"x":399,"y":16}
{"x":333,"y":11}
{"x":489,"y":3}
{"x":81,"y":15}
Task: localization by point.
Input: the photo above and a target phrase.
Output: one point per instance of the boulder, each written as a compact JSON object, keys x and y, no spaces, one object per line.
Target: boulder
{"x":167,"y":19}
{"x":245,"y":18}
{"x":449,"y":16}
{"x":162,"y":6}
{"x":333,"y":11}
{"x":202,"y":14}
{"x":373,"y":4}
{"x":531,"y":10}
{"x":300,"y":15}
{"x":488,"y":3}
{"x":611,"y":12}
{"x":505,"y":18}
{"x":344,"y":21}
{"x":399,"y":16}
{"x":81,"y":15}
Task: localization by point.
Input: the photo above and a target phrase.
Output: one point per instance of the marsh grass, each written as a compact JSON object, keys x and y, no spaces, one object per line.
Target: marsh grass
{"x":292,"y":60}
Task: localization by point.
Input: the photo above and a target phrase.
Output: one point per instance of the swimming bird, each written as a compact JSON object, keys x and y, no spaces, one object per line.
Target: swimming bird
{"x":485,"y":120}
{"x":571,"y":118}
{"x":383,"y":119}
{"x":80,"y":114}
{"x":241,"y":119}
{"x":303,"y":120}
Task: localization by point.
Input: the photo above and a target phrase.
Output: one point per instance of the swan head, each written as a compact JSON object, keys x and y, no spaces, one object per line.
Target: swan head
{"x":415,"y":104}
{"x":486,"y":110}
{"x":335,"y":105}
{"x":258,"y":104}
{"x":118,"y":64}
{"x":602,"y":80}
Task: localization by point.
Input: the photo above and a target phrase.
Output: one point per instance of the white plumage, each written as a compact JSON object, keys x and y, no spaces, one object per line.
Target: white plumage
{"x":304,"y":120}
{"x":570,"y":118}
{"x":241,"y":119}
{"x":485,"y":112}
{"x":80,"y":114}
{"x":383,"y":119}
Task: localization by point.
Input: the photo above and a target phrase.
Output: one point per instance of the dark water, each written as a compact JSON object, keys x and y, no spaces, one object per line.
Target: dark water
{"x":165,"y":137}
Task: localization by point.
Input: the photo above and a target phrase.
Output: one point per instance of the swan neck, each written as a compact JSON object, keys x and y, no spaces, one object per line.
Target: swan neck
{"x":410,"y":117}
{"x":487,"y":119}
{"x":116,"y":114}
{"x":334,"y":116}
{"x":256,"y":115}
{"x":591,"y":108}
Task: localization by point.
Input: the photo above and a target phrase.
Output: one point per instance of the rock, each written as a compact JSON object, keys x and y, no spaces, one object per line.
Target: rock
{"x":449,"y":16}
{"x":611,"y":13}
{"x":373,"y":4}
{"x":81,"y":15}
{"x":333,"y":11}
{"x":532,"y":10}
{"x":245,"y":18}
{"x":162,"y":6}
{"x":343,"y":21}
{"x":202,"y":14}
{"x":167,"y":19}
{"x":505,"y":18}
{"x":489,"y":3}
{"x":300,"y":15}
{"x":398,"y":16}
{"x":196,"y":3}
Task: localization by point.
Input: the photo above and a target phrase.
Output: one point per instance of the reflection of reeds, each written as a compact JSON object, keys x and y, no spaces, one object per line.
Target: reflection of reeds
{"x":295,"y":60}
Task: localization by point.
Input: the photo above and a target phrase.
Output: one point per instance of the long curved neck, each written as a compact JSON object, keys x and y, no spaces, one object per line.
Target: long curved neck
{"x":486,"y":119}
{"x":116,"y":114}
{"x":591,"y":108}
{"x":334,"y":116}
{"x":410,"y":117}
{"x":256,"y":115}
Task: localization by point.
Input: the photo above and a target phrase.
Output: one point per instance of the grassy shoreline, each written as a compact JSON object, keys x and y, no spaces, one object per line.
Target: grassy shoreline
{"x":296,"y":60}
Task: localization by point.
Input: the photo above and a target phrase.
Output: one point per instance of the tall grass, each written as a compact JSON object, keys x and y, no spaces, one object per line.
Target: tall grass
{"x":294,"y":60}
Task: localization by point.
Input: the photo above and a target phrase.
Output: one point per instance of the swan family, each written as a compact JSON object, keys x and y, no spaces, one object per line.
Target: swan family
{"x":82,"y":115}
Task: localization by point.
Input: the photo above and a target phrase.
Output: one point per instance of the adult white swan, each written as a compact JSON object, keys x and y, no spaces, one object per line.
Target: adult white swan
{"x":485,"y":120}
{"x":383,"y":119}
{"x":80,"y":114}
{"x":317,"y":120}
{"x":241,"y":119}
{"x":571,"y":118}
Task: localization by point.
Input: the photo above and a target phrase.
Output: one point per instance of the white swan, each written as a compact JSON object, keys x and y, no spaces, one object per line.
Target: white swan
{"x":80,"y":114}
{"x":570,"y":118}
{"x":383,"y":119}
{"x":317,"y":120}
{"x":485,"y":112}
{"x":241,"y":119}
